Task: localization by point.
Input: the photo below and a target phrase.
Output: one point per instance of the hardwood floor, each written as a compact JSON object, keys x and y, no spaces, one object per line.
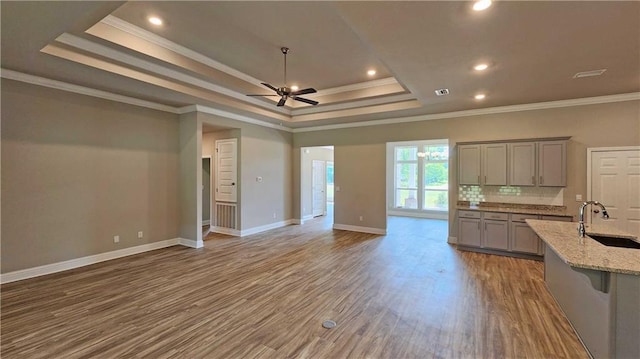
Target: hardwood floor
{"x":404,"y":295}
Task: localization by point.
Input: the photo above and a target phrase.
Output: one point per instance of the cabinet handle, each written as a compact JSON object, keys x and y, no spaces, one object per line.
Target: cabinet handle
{"x":479,"y":180}
{"x":533,"y":179}
{"x":541,"y":181}
{"x":485,"y":179}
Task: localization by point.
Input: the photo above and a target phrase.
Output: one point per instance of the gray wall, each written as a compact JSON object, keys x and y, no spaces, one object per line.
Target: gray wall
{"x":267,"y":153}
{"x":77,"y":170}
{"x":600,"y":125}
{"x":190,"y":177}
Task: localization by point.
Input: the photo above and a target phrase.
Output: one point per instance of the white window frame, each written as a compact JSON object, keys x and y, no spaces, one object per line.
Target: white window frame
{"x":392,"y":186}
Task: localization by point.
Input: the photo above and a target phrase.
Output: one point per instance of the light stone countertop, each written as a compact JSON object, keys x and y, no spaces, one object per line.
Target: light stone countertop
{"x":585,"y":252}
{"x":520,"y":209}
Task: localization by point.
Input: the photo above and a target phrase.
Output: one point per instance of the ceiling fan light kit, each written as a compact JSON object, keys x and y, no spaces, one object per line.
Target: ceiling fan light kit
{"x":285,"y":92}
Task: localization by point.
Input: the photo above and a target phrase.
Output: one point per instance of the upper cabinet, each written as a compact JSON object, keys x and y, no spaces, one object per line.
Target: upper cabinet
{"x":552,"y":164}
{"x":522,"y":164}
{"x":494,"y":164}
{"x":482,"y":164}
{"x":469,"y":164}
{"x":541,"y":163}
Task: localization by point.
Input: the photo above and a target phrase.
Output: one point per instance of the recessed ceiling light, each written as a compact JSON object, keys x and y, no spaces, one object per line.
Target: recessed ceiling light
{"x":155,"y":20}
{"x":371,"y":72}
{"x":589,"y":73}
{"x":481,"y":67}
{"x":294,"y":88}
{"x":480,"y":96}
{"x":481,"y":5}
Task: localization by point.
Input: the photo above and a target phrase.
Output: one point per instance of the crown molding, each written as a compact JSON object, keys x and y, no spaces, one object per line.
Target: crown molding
{"x":352,"y":104}
{"x":179,"y":49}
{"x":106,"y":52}
{"x":64,"y":86}
{"x":196,"y":56}
{"x":633,"y":96}
{"x":232,"y":116}
{"x":358,"y":86}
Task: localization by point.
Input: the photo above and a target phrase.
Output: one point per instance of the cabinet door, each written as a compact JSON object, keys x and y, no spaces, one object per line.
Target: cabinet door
{"x":552,"y":164}
{"x":495,"y":235}
{"x":524,"y":239}
{"x":522,"y":164}
{"x":469,"y":232}
{"x":469,"y":164}
{"x":494,"y":164}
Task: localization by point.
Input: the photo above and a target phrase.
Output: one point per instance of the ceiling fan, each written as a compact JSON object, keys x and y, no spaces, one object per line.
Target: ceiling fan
{"x":285,"y":92}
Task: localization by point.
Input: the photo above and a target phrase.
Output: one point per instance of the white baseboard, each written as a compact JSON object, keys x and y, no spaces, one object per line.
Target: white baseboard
{"x":85,"y":261}
{"x":190,"y":243}
{"x":452,"y":240}
{"x":223,"y":230}
{"x":254,"y":230}
{"x":371,"y":230}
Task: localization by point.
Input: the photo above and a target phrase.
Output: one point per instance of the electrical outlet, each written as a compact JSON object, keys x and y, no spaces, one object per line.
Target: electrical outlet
{"x":578,"y":198}
{"x":361,"y":218}
{"x":116,"y":239}
{"x":140,"y":234}
{"x":274,"y":215}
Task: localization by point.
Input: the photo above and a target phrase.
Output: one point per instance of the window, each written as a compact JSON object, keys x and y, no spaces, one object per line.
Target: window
{"x":421,"y":176}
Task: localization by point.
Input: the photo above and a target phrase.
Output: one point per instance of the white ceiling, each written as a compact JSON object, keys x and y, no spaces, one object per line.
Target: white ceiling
{"x":214,"y":53}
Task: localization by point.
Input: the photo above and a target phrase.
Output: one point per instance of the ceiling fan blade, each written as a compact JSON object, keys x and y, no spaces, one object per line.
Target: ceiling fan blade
{"x":269,"y":86}
{"x":303,"y":92}
{"x":306,"y":100}
{"x":262,"y":95}
{"x":282,"y":101}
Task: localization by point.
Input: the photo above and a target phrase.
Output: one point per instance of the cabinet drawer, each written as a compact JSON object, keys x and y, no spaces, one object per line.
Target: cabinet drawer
{"x":468,"y":214}
{"x":496,"y":216}
{"x":557,"y":218}
{"x":516,"y":217}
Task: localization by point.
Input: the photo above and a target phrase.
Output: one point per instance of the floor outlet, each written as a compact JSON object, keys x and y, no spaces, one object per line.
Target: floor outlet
{"x":116,"y":239}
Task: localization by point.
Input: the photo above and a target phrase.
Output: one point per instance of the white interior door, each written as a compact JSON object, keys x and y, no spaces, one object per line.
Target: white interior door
{"x":226,"y":170}
{"x":615,"y":182}
{"x":318,"y":184}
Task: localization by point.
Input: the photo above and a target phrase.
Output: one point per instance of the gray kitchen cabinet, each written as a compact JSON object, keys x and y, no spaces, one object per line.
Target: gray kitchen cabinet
{"x":552,"y":164}
{"x":469,"y":233}
{"x":522,"y":164}
{"x":495,"y":234}
{"x":482,"y":164}
{"x":494,"y":164}
{"x":469,"y":164}
{"x":523,"y":238}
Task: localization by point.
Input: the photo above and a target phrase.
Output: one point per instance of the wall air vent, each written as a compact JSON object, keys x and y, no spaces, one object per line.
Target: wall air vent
{"x":442,"y":92}
{"x":589,"y":73}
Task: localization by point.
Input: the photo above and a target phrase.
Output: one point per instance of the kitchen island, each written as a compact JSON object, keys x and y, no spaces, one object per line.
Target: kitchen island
{"x":597,"y":286}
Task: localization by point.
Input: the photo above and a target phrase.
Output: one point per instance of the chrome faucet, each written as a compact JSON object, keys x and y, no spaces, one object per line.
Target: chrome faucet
{"x":605,"y":215}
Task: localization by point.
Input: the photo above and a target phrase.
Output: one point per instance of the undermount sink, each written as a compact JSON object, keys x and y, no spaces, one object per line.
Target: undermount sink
{"x":616,"y":242}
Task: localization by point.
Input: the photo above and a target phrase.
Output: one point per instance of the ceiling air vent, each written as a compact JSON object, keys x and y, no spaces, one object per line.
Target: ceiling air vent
{"x":442,"y":92}
{"x":589,"y":73}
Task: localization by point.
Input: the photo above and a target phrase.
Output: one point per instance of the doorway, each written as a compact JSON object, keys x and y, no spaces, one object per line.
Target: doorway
{"x":613,"y":178}
{"x":316,"y":182}
{"x":206,"y":192}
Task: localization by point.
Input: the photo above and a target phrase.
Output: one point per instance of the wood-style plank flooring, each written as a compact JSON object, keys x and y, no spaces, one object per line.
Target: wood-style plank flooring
{"x":404,"y":295}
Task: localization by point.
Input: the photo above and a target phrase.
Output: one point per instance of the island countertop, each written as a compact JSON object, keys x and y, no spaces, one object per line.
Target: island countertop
{"x":585,"y":252}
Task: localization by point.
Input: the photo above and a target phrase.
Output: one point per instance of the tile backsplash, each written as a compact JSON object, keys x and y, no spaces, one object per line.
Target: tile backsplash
{"x":507,"y":194}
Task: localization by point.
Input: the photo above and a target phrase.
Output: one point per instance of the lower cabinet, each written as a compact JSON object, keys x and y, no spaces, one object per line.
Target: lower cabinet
{"x":523,"y":238}
{"x":495,"y":231}
{"x":501,"y":231}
